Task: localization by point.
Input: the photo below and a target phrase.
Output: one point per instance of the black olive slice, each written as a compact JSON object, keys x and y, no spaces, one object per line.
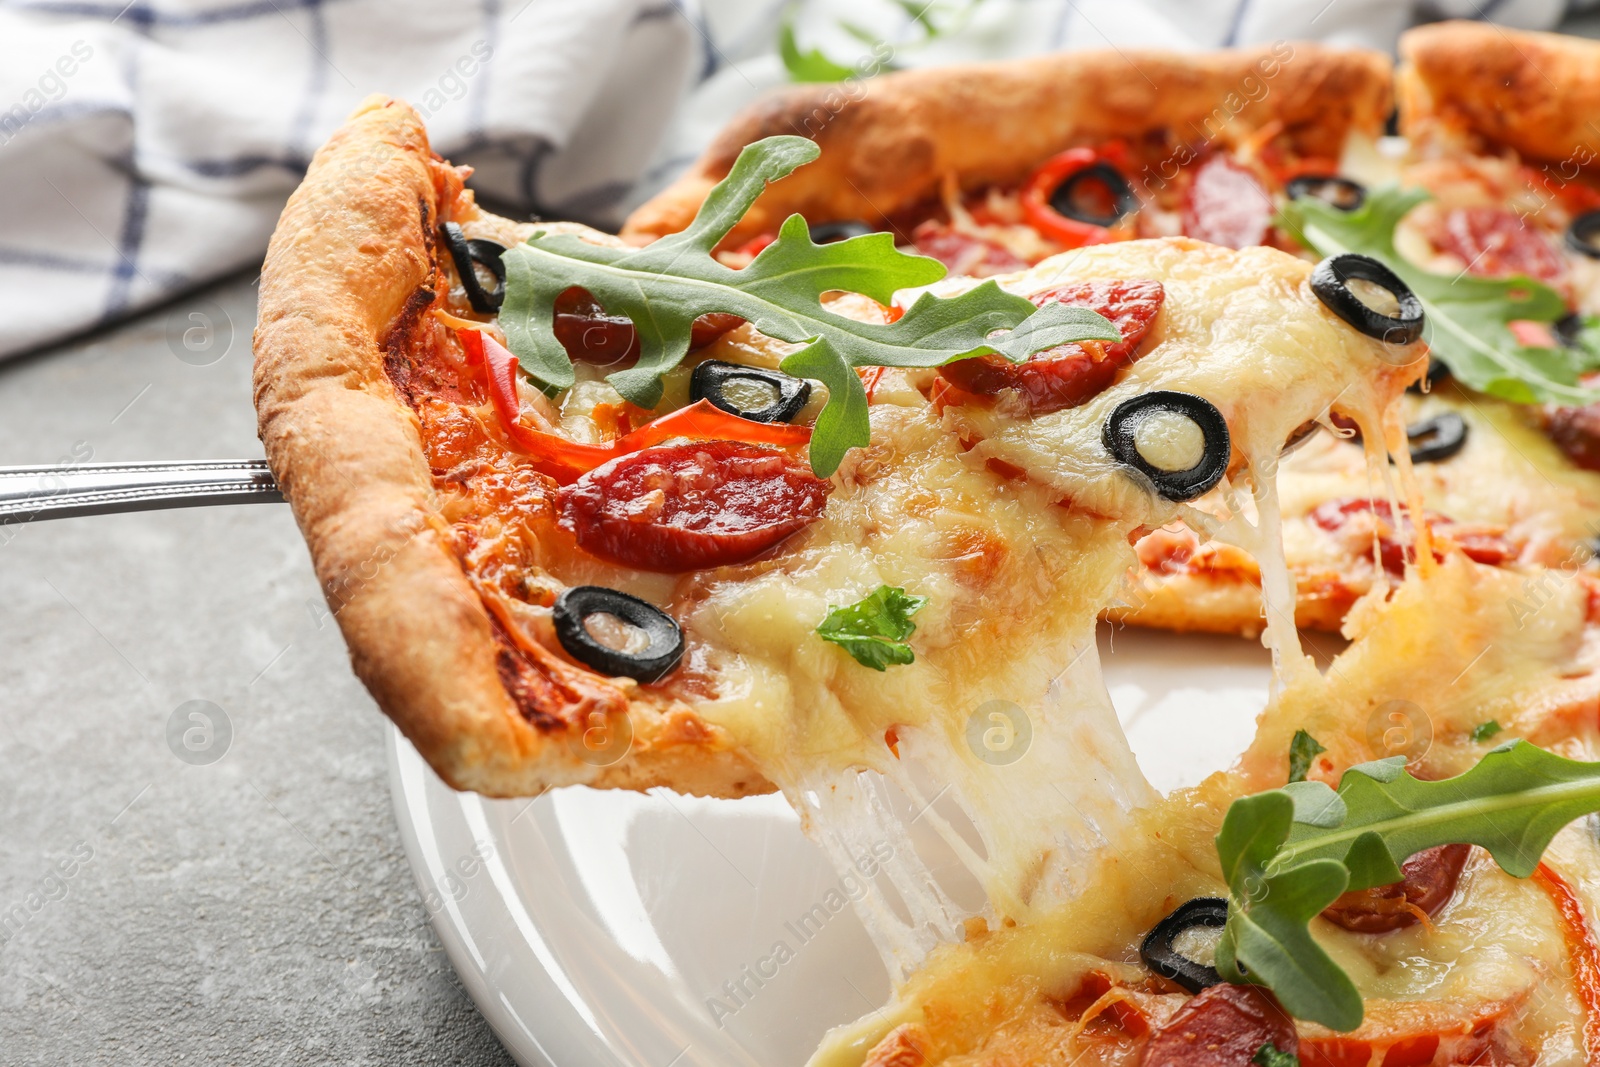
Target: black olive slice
{"x":1437,"y":439}
{"x":1121,"y":438}
{"x":1158,"y":954}
{"x":1125,"y":202}
{"x":488,"y":254}
{"x":1331,"y":282}
{"x":665,"y":640}
{"x":825,"y":233}
{"x":711,"y":379}
{"x":1583,"y":235}
{"x":1438,"y":371}
{"x":1342,"y":193}
{"x":1567,"y":328}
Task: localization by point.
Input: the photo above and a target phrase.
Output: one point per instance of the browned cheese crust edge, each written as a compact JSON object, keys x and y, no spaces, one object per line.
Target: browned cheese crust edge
{"x":350,"y":260}
{"x":889,"y":142}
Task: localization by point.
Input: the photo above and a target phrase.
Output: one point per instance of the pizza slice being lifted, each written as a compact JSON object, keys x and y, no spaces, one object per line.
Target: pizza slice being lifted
{"x":557,"y":560}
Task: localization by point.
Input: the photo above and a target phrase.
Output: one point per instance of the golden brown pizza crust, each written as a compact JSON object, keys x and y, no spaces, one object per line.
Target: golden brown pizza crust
{"x":1199,"y":603}
{"x":350,"y":266}
{"x":1536,"y":93}
{"x":888,"y":143}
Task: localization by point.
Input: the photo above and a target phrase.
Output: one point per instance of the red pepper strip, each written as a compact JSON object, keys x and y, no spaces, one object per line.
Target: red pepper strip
{"x":1575,"y":196}
{"x":704,"y":422}
{"x":1043,"y":182}
{"x":1583,"y":950}
{"x":566,"y":461}
{"x":756,"y":245}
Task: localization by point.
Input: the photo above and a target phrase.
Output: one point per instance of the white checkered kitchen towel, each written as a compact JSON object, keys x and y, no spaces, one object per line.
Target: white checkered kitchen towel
{"x":147,"y":147}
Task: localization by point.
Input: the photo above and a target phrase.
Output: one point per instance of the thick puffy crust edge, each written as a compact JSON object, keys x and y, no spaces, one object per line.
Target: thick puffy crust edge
{"x":1499,"y":88}
{"x":888,"y":142}
{"x":347,"y":261}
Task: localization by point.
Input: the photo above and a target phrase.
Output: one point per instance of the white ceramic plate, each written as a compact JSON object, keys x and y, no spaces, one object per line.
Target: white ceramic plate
{"x":611,"y":928}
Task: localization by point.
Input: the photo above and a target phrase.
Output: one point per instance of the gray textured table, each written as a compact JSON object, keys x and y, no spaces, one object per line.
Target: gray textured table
{"x":169,"y":893}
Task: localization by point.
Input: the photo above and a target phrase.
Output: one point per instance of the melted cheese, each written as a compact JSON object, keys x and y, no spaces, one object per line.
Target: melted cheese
{"x":1241,"y":329}
{"x":1014,"y":584}
{"x":1509,"y":481}
{"x":1496,"y":951}
{"x":1498,"y":947}
{"x":1002,"y":569}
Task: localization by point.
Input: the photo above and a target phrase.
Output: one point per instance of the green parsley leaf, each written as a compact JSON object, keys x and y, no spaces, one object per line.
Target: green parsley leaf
{"x":874,"y":629}
{"x":1467,"y":315}
{"x":1288,"y":853}
{"x":1270,"y":1055}
{"x":666,"y":285}
{"x":1302,"y":750}
{"x":1485,"y":730}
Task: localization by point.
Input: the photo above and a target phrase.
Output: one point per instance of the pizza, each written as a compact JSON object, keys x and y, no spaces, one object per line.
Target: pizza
{"x":411,"y":474}
{"x":410,"y":470}
{"x":750,"y":499}
{"x":1457,"y":963}
{"x":1511,"y":481}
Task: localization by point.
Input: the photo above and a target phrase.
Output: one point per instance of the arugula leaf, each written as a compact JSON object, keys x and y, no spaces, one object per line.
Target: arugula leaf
{"x":917,"y":11}
{"x":1270,"y":1055}
{"x":1512,"y":803}
{"x":1467,"y":315}
{"x":1288,"y":853}
{"x":1485,"y":730}
{"x":666,"y":285}
{"x":810,"y":66}
{"x":874,"y":629}
{"x":843,"y":424}
{"x":814,"y":66}
{"x":1315,"y":804}
{"x":1269,"y":914}
{"x":1302,"y":750}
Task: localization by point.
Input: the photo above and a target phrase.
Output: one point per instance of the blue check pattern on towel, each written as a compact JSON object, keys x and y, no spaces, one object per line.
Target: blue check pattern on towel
{"x":146,"y":148}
